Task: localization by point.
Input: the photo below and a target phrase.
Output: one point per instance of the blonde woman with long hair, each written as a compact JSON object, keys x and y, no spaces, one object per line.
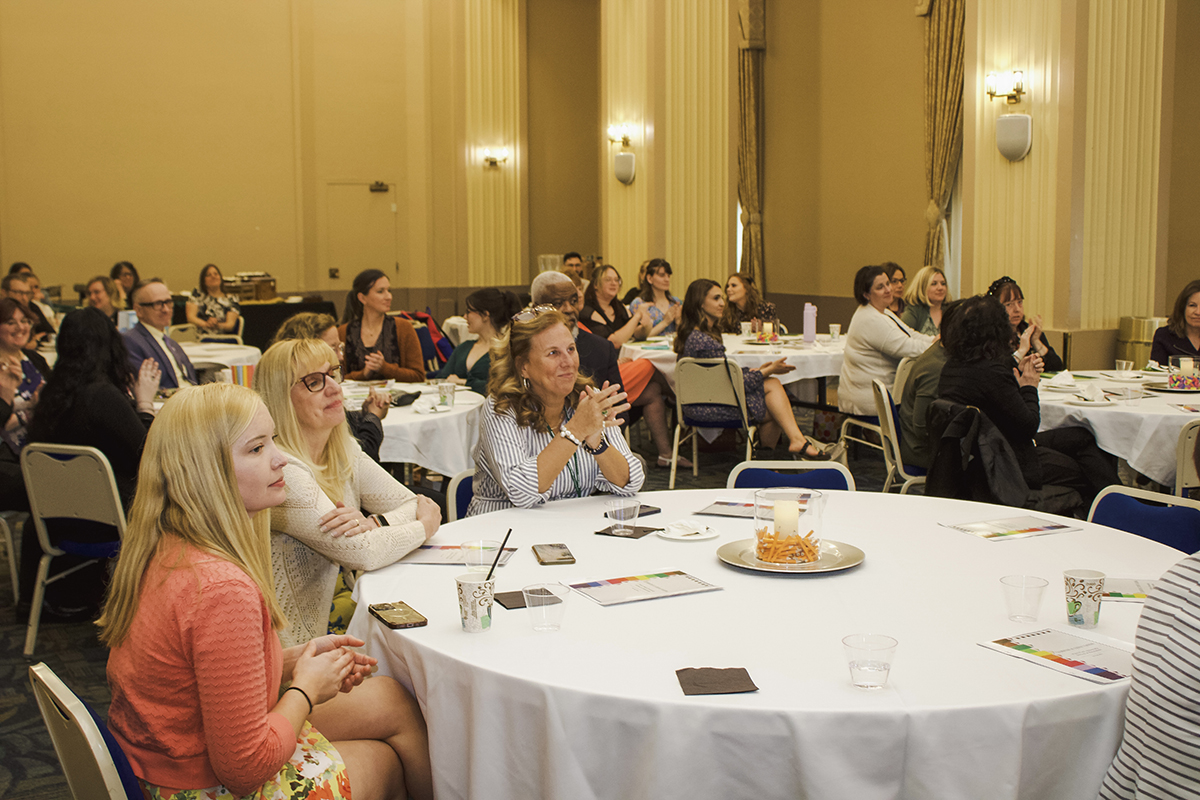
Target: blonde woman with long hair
{"x":196,"y":664}
{"x":927,"y":294}
{"x":330,"y":481}
{"x":547,"y":432}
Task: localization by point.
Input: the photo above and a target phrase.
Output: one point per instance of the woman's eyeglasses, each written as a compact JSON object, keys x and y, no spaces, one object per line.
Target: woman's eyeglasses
{"x":316,"y":381}
{"x":531,"y":313}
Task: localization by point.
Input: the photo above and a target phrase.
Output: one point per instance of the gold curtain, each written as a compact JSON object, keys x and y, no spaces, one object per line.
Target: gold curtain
{"x":944,"y":37}
{"x":752,"y":18}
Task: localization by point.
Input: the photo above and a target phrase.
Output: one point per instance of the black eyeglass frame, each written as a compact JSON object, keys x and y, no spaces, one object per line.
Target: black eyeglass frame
{"x":334,"y":372}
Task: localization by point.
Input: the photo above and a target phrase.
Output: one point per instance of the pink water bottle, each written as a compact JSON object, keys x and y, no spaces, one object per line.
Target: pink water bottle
{"x":810,"y":322}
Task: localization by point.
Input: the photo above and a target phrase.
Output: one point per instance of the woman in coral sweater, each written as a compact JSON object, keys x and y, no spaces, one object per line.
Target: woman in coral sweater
{"x":196,"y":669}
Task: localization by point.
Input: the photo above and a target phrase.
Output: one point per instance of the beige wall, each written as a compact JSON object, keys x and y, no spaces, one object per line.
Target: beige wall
{"x":565,"y":129}
{"x":844,"y":184}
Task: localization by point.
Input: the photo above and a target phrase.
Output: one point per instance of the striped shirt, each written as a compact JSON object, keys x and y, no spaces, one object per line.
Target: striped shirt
{"x":1160,"y":752}
{"x":506,"y":472}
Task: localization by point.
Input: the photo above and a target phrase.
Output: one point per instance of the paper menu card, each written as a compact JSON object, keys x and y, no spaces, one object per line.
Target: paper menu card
{"x":614,"y":591}
{"x":1070,"y":653}
{"x":1012,"y":528}
{"x":1127,"y":590}
{"x":447,"y":554}
{"x":739,"y":508}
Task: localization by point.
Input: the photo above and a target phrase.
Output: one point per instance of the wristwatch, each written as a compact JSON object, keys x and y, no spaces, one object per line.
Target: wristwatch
{"x":597,"y":451}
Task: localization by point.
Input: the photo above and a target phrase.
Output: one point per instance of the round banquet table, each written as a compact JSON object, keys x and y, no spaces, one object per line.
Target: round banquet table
{"x":595,"y":710}
{"x":820,"y":359}
{"x":1144,"y":434}
{"x":443,"y":442}
{"x":227,"y":355}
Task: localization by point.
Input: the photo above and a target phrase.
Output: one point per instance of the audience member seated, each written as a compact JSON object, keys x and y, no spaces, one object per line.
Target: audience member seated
{"x":366,"y":425}
{"x":766,"y":400}
{"x":548,"y":432}
{"x":126,"y":277}
{"x":657,"y":299}
{"x":378,"y":347}
{"x":16,"y":287}
{"x":330,"y":481}
{"x":20,"y":268}
{"x":597,"y":358}
{"x":1156,"y":757}
{"x":1181,"y":335}
{"x":1027,"y":335}
{"x":573,"y":268}
{"x":875,"y":342}
{"x":924,"y":300}
{"x":918,"y":392}
{"x":154,"y":306}
{"x":980,"y":371}
{"x":645,"y":387}
{"x":191,"y":620}
{"x":102,"y":295}
{"x":743,"y":303}
{"x":488,"y":314}
{"x":605,"y":315}
{"x":92,"y":400}
{"x":209,"y":308}
{"x":14,"y":335}
{"x":637,"y":287}
{"x":12,"y":481}
{"x":38,"y":300}
{"x":896,"y":278}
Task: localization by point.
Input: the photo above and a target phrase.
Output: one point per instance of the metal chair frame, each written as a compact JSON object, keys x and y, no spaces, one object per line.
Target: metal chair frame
{"x":698,"y":380}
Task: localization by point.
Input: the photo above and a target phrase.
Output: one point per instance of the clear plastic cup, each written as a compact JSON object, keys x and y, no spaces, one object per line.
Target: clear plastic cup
{"x":869,"y":656}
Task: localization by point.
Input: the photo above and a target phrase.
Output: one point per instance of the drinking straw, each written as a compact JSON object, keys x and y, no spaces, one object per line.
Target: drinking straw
{"x":499,"y":553}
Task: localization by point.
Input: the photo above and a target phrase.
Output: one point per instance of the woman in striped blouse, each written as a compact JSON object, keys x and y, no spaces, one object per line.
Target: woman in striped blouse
{"x":545,"y":428}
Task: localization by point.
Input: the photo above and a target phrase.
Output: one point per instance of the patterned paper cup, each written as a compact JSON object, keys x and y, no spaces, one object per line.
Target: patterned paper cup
{"x":1083,"y":588}
{"x":475,"y":596}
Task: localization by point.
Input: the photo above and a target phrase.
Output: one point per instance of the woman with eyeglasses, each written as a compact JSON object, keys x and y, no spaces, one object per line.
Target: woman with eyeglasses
{"x":378,"y":347}
{"x":547,"y":432}
{"x":209,"y":308}
{"x":488,"y":314}
{"x":329,"y":479}
{"x":1027,"y":334}
{"x":126,"y":277}
{"x":14,"y":336}
{"x":206,"y":700}
{"x":897,"y":277}
{"x":102,"y":294}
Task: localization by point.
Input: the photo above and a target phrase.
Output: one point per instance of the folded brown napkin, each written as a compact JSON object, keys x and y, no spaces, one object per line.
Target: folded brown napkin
{"x":710,"y":680}
{"x":516,"y":599}
{"x":638,"y":532}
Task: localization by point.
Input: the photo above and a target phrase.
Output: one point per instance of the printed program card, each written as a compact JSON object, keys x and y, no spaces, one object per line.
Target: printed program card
{"x":1070,"y":653}
{"x":1014,"y":528}
{"x":1188,"y":409}
{"x":739,"y":508}
{"x":1127,"y":590}
{"x":614,"y":591}
{"x":447,"y":554}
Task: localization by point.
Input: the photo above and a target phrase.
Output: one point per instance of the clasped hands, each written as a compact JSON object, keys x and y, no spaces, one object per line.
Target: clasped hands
{"x":598,"y":409}
{"x":346,"y":521}
{"x":327,"y":665}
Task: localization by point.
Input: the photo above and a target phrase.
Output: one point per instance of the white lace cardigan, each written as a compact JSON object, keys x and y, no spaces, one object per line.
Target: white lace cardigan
{"x":305,"y":561}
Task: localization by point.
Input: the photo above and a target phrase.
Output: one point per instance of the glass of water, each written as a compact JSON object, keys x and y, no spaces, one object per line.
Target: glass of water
{"x":870,"y":658}
{"x":623,"y":511}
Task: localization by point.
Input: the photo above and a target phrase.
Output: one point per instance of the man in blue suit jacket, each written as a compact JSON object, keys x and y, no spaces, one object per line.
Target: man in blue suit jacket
{"x":153,"y":305}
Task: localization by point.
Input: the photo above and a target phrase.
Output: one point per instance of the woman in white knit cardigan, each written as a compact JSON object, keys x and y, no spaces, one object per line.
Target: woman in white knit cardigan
{"x":330,"y":482}
{"x":875,"y":343}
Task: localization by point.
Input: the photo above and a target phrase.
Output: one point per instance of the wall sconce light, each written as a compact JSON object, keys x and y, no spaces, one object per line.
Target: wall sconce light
{"x":495,"y":160}
{"x":619,"y":134}
{"x":1009,"y":85}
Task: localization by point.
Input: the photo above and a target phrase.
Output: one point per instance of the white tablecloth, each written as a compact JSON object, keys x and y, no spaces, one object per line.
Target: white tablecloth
{"x":595,"y":710}
{"x":229,"y":355}
{"x":819,"y":360}
{"x":1144,"y":434}
{"x":444,"y":442}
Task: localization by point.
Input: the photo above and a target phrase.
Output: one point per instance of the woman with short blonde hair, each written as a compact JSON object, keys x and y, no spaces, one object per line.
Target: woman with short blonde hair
{"x":329,"y":481}
{"x":545,"y":429}
{"x":191,"y":609}
{"x":926,"y":296}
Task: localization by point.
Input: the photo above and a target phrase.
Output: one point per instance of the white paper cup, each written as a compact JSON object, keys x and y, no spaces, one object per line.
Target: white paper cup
{"x":869,"y":656}
{"x":1023,"y":596}
{"x":475,"y":594}
{"x":446,"y":394}
{"x":1083,"y":589}
{"x":746,"y":328}
{"x":547,"y":602}
{"x":835,"y":332}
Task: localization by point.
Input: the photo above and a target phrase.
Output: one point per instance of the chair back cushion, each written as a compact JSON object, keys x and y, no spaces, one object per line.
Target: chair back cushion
{"x":463,"y":494}
{"x":755,"y":478}
{"x":1174,"y":526}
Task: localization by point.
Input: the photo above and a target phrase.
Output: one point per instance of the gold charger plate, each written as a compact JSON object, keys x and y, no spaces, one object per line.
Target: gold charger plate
{"x":835,"y":556}
{"x":1162,"y":387}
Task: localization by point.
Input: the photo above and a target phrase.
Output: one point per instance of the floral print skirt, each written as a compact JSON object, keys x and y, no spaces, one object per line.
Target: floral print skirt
{"x":314,"y":772}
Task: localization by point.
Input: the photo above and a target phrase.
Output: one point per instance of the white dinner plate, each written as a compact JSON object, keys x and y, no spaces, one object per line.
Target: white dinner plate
{"x":1075,"y":401}
{"x":1054,"y":387}
{"x":835,"y":556}
{"x":1136,"y":377}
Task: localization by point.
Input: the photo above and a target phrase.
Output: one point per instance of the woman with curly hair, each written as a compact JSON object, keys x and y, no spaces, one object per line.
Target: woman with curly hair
{"x":980,"y":371}
{"x":743,"y":303}
{"x":544,"y":434}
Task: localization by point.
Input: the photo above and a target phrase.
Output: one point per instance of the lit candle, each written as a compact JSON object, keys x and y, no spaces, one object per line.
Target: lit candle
{"x":787,"y":517}
{"x":1187,"y":366}
{"x":768,"y":329}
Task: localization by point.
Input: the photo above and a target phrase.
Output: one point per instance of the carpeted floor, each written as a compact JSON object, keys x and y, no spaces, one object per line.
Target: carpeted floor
{"x":29,"y":767}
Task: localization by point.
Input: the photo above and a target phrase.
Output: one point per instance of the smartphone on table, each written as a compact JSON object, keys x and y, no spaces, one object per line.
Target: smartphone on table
{"x":553,"y":554}
{"x":397,"y":615}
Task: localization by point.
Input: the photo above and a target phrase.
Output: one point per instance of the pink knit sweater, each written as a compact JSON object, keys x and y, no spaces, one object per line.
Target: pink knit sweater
{"x":194,"y":681}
